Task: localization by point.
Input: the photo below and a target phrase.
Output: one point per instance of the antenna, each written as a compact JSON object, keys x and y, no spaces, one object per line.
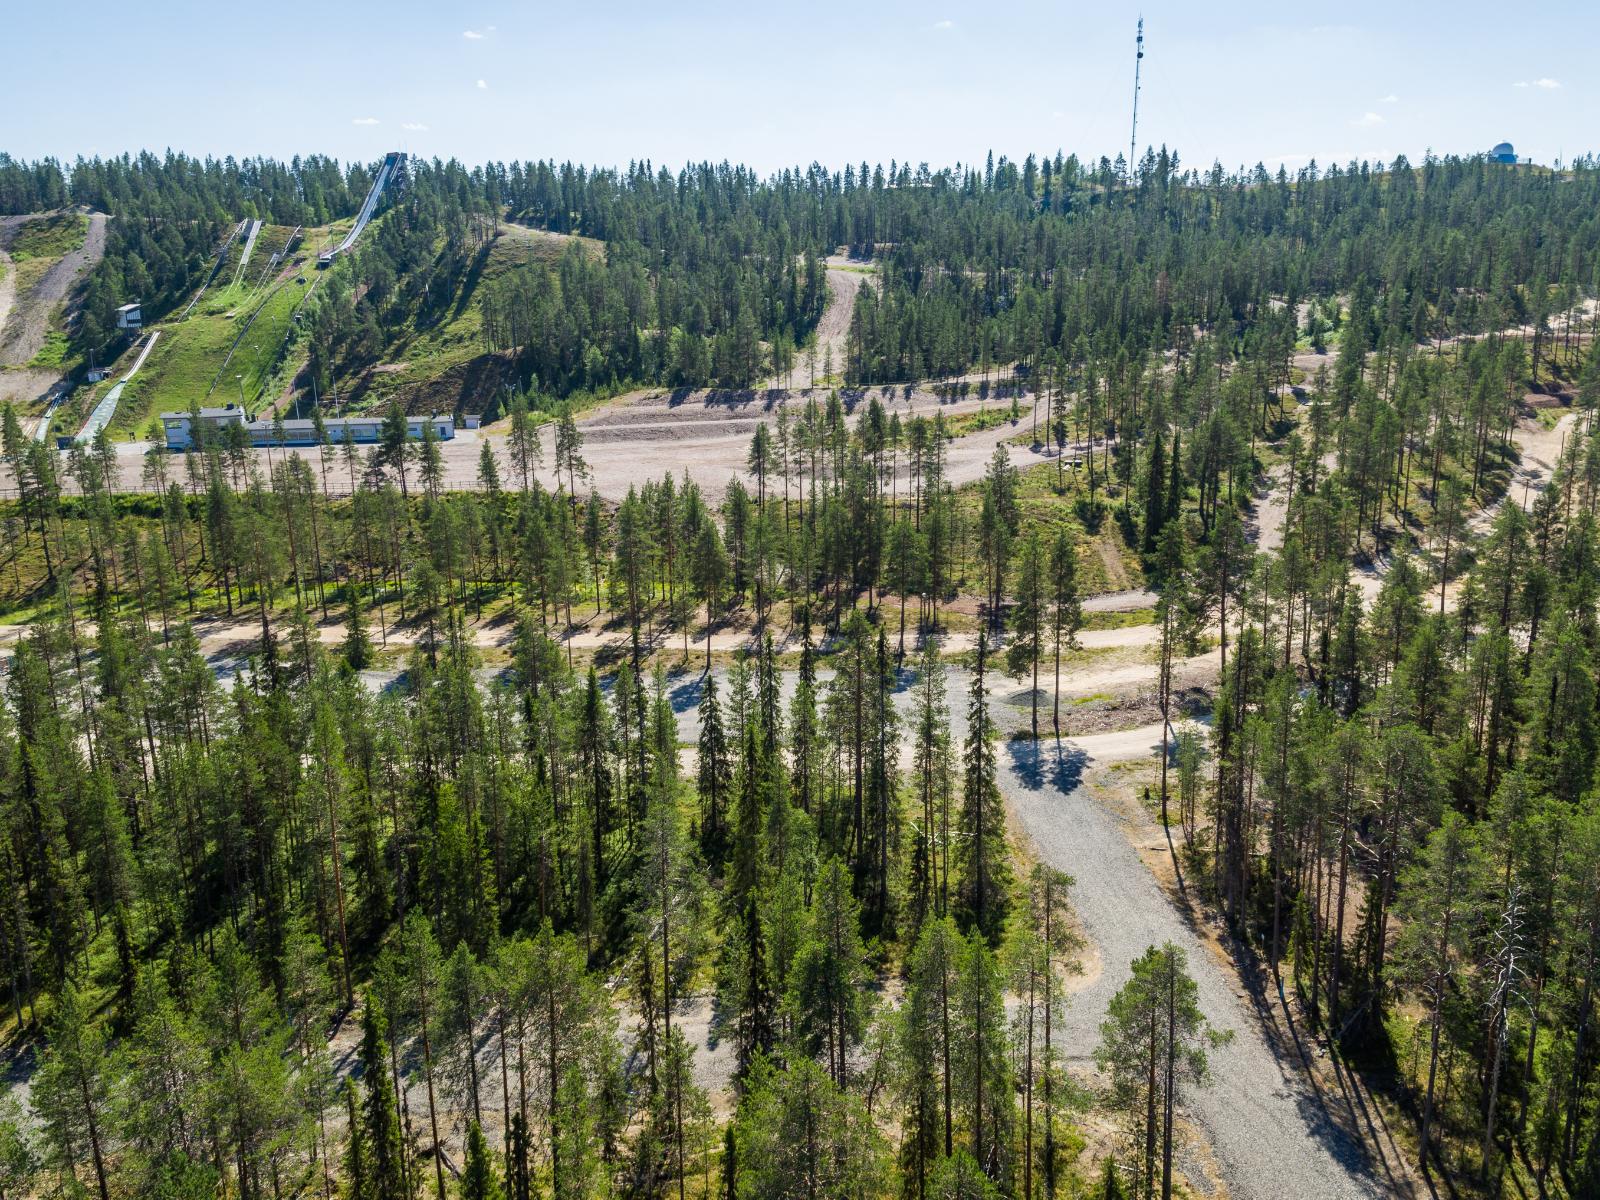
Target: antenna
{"x":1133,"y":138}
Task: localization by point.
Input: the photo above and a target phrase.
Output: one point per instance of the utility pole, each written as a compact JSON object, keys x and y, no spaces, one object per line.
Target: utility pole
{"x":1133,"y":137}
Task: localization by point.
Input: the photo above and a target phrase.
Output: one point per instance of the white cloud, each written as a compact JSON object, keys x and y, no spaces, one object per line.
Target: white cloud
{"x":943,"y":25}
{"x":483,"y":85}
{"x":1546,"y":83}
{"x":414,"y":127}
{"x":1391,"y":98}
{"x":365,"y":121}
{"x":472,"y":35}
{"x":1367,"y":120}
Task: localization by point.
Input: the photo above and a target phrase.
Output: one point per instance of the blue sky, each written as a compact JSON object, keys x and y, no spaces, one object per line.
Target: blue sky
{"x":772,"y":85}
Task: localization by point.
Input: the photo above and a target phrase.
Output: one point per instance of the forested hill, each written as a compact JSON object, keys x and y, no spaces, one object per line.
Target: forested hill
{"x":711,"y":274}
{"x":1126,"y":727}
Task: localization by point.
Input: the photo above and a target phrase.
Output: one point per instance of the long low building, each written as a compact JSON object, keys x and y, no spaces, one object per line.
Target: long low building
{"x":361,"y":431}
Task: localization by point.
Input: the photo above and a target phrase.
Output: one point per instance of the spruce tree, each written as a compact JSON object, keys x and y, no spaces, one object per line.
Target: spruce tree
{"x":1155,"y":503}
{"x":385,"y":1148}
{"x":357,"y":650}
{"x":479,"y":1181}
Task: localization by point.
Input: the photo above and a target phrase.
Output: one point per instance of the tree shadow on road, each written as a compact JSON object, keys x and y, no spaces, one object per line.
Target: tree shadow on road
{"x":1037,"y":761}
{"x":1343,"y":1121}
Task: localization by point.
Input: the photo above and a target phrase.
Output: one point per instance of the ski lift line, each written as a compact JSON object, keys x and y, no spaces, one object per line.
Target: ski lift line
{"x":273,"y":260}
{"x":294,"y":316}
{"x":239,"y":337}
{"x":222,"y":255}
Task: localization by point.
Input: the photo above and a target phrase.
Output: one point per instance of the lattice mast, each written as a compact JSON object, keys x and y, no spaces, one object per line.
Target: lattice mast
{"x":1133,"y":137}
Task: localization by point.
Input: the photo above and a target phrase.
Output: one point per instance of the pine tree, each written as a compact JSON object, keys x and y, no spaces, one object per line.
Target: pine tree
{"x":357,"y":1183}
{"x":1029,"y":616}
{"x":830,"y":975}
{"x":984,"y":864}
{"x":357,"y":651}
{"x":1153,"y":1042}
{"x":73,"y":1091}
{"x":1066,"y":610}
{"x":715,"y":781}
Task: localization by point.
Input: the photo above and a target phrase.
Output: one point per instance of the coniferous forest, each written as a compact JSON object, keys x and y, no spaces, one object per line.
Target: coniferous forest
{"x":368,"y":834}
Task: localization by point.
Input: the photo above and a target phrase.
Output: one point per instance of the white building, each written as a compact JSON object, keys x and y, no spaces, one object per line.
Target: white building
{"x":129,"y":316}
{"x":179,"y":434}
{"x":362,"y":431}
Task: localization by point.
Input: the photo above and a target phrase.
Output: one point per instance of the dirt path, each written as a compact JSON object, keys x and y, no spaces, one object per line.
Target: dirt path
{"x":1127,"y":601}
{"x":25,"y":320}
{"x":1265,"y":525}
{"x":845,"y":277}
{"x":1538,"y":453}
{"x":226,"y":642}
{"x":24,"y":335}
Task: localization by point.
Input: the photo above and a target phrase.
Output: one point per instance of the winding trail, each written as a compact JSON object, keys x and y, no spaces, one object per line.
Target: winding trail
{"x":1538,"y":453}
{"x":845,"y":276}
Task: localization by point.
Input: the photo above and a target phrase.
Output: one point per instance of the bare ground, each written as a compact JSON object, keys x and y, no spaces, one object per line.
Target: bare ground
{"x":705,"y":435}
{"x":25,"y":321}
{"x":24,"y":332}
{"x":8,"y":286}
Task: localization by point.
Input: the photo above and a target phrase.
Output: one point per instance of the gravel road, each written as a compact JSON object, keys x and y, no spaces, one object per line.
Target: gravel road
{"x":1273,"y":1137}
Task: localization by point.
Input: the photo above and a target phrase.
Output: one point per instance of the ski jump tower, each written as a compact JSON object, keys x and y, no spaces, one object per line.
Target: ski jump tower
{"x":391,"y":175}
